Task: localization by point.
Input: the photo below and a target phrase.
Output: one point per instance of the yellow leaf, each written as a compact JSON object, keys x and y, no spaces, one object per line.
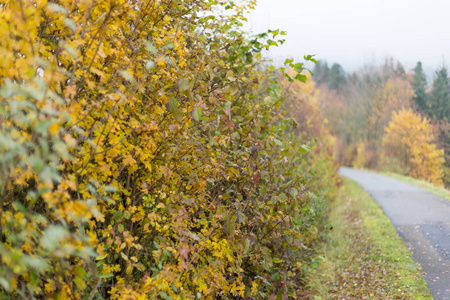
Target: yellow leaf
{"x":54,"y":128}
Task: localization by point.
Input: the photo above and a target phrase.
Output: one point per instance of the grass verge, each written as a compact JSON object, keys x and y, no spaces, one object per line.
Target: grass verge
{"x":441,"y":191}
{"x":362,"y":256}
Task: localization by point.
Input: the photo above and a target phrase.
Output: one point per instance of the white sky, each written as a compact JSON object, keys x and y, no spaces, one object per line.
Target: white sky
{"x":357,"y":32}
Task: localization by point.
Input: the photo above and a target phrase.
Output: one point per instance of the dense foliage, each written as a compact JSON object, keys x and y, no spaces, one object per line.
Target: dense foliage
{"x":144,"y":154}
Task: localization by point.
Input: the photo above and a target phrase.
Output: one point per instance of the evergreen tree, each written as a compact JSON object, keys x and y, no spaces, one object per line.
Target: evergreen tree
{"x":334,"y":78}
{"x":419,"y":83}
{"x":337,"y":78}
{"x":400,"y":70}
{"x":321,"y":72}
{"x":439,"y":104}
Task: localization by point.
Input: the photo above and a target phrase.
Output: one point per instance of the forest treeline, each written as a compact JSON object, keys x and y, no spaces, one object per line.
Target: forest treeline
{"x":148,"y":152}
{"x":389,"y":118}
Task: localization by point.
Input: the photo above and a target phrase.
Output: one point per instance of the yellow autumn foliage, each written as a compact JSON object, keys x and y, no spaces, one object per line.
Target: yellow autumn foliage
{"x":143,"y":155}
{"x":410,"y":140}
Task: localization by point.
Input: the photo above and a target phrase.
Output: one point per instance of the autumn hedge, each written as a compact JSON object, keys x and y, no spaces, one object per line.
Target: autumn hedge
{"x":145,"y":154}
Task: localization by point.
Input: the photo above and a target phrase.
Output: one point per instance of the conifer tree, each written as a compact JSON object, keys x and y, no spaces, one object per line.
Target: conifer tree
{"x":439,"y":104}
{"x":337,"y":77}
{"x":334,"y":78}
{"x":321,"y":72}
{"x":419,"y":83}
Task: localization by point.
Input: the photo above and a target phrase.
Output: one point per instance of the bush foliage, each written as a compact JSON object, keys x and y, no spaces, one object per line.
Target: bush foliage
{"x":144,"y":154}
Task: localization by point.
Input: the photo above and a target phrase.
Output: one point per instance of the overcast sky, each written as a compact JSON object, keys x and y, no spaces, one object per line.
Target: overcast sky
{"x":357,"y":32}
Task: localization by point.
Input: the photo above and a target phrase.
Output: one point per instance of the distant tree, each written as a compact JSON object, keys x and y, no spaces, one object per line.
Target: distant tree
{"x":334,"y":78}
{"x":439,"y":102}
{"x":410,"y":141}
{"x":337,"y":78}
{"x":400,"y":70}
{"x":394,"y":94}
{"x":419,"y":83}
{"x":321,"y":72}
{"x":443,"y":128}
{"x":392,"y":68}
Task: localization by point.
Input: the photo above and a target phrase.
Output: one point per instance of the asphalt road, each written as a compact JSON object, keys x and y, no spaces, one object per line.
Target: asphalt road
{"x":421,"y":218}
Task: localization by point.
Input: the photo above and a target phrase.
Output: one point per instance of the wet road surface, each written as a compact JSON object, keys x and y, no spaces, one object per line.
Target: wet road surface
{"x":421,"y":218}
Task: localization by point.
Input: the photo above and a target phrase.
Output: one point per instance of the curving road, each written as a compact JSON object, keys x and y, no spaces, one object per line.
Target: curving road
{"x":421,"y":218}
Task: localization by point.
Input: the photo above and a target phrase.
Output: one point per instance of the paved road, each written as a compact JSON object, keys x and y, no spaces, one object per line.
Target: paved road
{"x":421,"y":218}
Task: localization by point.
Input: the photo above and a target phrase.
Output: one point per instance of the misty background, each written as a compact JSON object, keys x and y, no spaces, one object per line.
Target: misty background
{"x":355,"y":33}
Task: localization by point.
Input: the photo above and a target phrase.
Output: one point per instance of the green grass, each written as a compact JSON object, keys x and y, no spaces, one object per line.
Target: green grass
{"x":441,"y":191}
{"x":362,"y":257}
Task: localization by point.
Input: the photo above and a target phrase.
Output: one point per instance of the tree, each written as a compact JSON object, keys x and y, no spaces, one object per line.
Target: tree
{"x":334,"y":78}
{"x":321,"y":72}
{"x":419,"y":83}
{"x":410,"y":141}
{"x":396,"y":93}
{"x":337,"y":78}
{"x":439,"y":104}
{"x":443,"y":128}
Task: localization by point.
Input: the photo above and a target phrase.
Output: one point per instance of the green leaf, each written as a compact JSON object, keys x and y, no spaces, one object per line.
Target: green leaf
{"x":80,"y":272}
{"x":165,"y":296}
{"x":172,"y":105}
{"x":197,"y":114}
{"x":304,"y":148}
{"x":156,"y":245}
{"x":183,"y":85}
{"x":293,"y":192}
{"x":53,"y":7}
{"x":240,"y":217}
{"x":80,"y":283}
{"x":140,"y":267}
{"x":106,"y":275}
{"x":53,"y":236}
{"x":37,"y":263}
{"x":71,"y":24}
{"x":101,"y":257}
{"x":310,"y":58}
{"x":5,"y":283}
{"x":150,"y":47}
{"x":117,"y":215}
{"x":127,"y":215}
{"x":278,"y":142}
{"x":150,"y":65}
{"x":301,"y":77}
{"x":20,"y":207}
{"x":275,"y":32}
{"x":298,"y":67}
{"x":127,"y":76}
{"x":263,"y":191}
{"x":124,"y":256}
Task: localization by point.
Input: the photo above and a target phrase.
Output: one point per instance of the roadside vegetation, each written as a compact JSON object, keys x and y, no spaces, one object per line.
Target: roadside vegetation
{"x":148,"y":151}
{"x":362,"y":257}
